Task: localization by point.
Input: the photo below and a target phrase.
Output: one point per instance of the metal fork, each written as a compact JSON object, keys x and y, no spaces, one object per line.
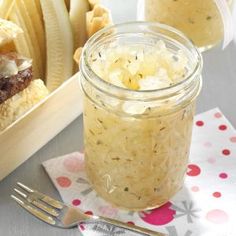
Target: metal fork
{"x":61,"y":215}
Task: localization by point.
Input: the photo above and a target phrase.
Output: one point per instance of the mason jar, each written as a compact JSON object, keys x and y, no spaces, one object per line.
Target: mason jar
{"x":137,"y":141}
{"x":200,"y":20}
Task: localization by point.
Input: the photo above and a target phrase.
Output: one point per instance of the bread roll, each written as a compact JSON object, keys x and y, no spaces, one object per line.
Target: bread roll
{"x":18,"y":92}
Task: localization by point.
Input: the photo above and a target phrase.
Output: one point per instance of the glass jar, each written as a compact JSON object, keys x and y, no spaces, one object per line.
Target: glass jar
{"x":200,"y":20}
{"x":136,"y":159}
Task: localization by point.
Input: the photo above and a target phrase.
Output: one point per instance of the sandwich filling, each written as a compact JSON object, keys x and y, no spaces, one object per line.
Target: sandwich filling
{"x":15,"y":75}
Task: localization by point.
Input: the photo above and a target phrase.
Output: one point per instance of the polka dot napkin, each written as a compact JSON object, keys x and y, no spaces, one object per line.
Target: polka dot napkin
{"x":206,"y":205}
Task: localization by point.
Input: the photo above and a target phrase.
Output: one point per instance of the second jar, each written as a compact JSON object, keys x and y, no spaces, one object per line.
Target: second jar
{"x":200,"y":20}
{"x":140,"y":83}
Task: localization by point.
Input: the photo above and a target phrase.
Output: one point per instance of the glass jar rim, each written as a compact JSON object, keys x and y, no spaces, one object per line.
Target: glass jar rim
{"x":105,"y":84}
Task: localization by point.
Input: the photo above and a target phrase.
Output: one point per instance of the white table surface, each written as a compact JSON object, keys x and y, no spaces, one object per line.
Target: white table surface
{"x":219,"y":90}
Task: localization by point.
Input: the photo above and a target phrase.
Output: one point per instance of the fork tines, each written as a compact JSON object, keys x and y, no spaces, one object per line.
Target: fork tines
{"x":43,"y":207}
{"x":58,"y":214}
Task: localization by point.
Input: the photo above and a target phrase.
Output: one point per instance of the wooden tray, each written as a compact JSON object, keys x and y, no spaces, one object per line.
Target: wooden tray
{"x":38,"y":126}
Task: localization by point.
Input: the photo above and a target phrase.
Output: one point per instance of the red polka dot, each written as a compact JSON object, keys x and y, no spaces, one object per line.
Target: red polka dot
{"x":226,"y":152}
{"x":223,"y":175}
{"x":195,"y":188}
{"x":130,"y":223}
{"x":233,"y":139}
{"x":76,"y":202}
{"x":63,"y":181}
{"x":199,"y":123}
{"x":222,"y":127}
{"x":217,"y":115}
{"x":88,"y":213}
{"x":216,"y":194}
{"x":193,"y":170}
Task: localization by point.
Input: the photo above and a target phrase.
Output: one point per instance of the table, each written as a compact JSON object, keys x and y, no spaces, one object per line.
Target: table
{"x":219,"y":90}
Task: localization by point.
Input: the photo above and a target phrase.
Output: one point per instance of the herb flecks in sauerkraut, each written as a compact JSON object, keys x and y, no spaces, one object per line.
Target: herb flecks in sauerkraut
{"x":137,"y":162}
{"x":200,"y":20}
{"x":140,"y":67}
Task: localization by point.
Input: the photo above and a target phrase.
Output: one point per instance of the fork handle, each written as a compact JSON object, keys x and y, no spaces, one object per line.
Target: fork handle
{"x":133,"y":228}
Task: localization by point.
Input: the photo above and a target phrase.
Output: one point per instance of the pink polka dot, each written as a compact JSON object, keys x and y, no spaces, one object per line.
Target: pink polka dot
{"x":216,"y":194}
{"x":63,"y":181}
{"x":76,"y":202}
{"x":222,"y":127}
{"x":207,"y":144}
{"x":233,"y":139}
{"x":199,"y":123}
{"x":88,"y":213}
{"x":159,"y":216}
{"x":108,"y":211}
{"x":195,"y":188}
{"x":217,"y":115}
{"x":130,"y":223}
{"x":211,"y":160}
{"x":193,"y":170}
{"x":226,"y":152}
{"x":74,"y":162}
{"x":223,"y":175}
{"x":217,"y":216}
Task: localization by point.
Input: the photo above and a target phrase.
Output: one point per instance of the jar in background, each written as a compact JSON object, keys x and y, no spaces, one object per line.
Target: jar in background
{"x":200,"y":20}
{"x":137,"y":160}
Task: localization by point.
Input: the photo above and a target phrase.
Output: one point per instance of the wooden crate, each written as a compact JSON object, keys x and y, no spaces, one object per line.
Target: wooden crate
{"x":38,"y":126}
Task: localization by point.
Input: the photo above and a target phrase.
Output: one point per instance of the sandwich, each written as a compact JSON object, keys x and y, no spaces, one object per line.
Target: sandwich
{"x":19,"y":92}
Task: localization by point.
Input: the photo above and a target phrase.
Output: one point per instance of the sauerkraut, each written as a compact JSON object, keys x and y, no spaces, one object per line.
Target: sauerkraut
{"x":136,"y":154}
{"x":200,"y":20}
{"x":140,"y":67}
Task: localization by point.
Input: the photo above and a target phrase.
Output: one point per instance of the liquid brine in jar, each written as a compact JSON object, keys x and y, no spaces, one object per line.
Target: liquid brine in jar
{"x":140,"y":87}
{"x":200,"y":20}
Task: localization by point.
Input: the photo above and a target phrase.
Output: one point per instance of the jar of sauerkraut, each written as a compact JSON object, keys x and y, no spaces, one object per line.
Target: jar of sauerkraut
{"x":200,"y":20}
{"x":140,"y":83}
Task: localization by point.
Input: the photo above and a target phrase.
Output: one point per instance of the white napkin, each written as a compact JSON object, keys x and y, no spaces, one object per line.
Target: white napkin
{"x":206,"y":205}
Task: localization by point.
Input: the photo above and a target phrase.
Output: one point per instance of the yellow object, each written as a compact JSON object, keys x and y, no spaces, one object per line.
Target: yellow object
{"x":16,"y":106}
{"x":60,"y":46}
{"x":36,"y":29}
{"x":5,"y":8}
{"x":78,"y":10}
{"x":38,"y":126}
{"x":137,"y":139}
{"x":93,"y":3}
{"x":8,"y":31}
{"x":200,"y":20}
{"x":140,"y":67}
{"x":27,"y":43}
{"x":97,"y":19}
